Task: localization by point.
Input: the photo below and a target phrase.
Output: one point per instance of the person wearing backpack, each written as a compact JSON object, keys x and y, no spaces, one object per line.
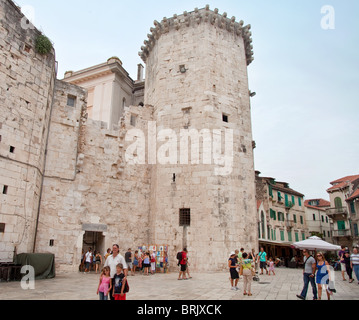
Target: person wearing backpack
{"x":308,"y":276}
{"x":183,"y":264}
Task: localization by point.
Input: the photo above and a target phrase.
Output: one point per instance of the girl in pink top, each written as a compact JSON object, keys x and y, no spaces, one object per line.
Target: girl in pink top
{"x":105,"y":284}
{"x":271,"y":266}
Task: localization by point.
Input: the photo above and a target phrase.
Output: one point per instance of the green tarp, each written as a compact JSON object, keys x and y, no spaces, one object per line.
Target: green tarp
{"x":43,"y":264}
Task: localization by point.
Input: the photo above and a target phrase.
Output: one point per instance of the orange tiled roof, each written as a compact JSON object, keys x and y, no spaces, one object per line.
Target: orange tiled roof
{"x":343,"y":182}
{"x":354,"y":195}
{"x":321,"y":206}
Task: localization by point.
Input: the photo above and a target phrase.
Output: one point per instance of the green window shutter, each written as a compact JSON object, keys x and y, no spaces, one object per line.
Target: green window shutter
{"x":303,"y":236}
{"x":338,"y":203}
{"x":341,"y":225}
{"x":300,"y":201}
{"x":270,"y":190}
{"x":286,"y":200}
{"x":282,"y":235}
{"x":293,"y":200}
{"x":295,"y":218}
{"x":296,"y":237}
{"x":273,"y":214}
{"x":290,"y":236}
{"x":279,"y":196}
{"x":356,"y":231}
{"x":301,"y":220}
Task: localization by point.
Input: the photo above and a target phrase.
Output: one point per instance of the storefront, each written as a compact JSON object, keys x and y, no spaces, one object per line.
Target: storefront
{"x":280,"y":250}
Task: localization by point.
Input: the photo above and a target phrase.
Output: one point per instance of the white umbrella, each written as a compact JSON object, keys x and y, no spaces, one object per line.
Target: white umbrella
{"x":315,"y":243}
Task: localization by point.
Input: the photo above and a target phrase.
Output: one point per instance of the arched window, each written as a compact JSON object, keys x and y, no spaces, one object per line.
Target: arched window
{"x":338,"y":203}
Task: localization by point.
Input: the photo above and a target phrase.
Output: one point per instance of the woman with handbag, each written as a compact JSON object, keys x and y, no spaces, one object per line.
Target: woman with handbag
{"x":247,"y":272}
{"x":323,"y":275}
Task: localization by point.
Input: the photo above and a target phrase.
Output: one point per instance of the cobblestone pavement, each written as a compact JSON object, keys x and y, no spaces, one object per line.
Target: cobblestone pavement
{"x":203,"y":286}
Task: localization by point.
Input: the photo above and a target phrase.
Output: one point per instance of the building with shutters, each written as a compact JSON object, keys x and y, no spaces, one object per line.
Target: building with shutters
{"x":344,"y":210}
{"x":319,"y":224}
{"x":282,"y":218}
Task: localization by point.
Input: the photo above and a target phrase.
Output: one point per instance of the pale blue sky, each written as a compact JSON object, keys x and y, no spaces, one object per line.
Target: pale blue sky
{"x":305,"y":115}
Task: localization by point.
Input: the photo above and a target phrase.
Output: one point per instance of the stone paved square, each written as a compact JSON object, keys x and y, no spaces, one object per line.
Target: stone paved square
{"x":203,"y":286}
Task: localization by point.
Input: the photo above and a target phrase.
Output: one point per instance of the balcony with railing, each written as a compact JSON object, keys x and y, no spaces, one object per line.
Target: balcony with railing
{"x":342,"y":233}
{"x":337,"y":213}
{"x":289,"y":224}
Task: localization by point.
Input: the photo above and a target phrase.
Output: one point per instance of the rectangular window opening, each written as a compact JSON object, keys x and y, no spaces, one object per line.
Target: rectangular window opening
{"x":225,"y":118}
{"x":5,"y":189}
{"x":71,"y":100}
{"x":133,"y":120}
{"x":2,"y":227}
{"x":12,"y":149}
{"x":185,"y":217}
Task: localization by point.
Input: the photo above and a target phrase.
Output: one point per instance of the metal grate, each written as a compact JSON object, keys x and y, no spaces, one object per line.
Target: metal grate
{"x":185,"y":217}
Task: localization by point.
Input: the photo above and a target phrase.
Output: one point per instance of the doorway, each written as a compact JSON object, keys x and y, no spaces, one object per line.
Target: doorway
{"x":95,"y":241}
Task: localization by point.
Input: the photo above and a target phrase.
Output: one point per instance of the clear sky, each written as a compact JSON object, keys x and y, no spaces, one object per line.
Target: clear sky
{"x":306,"y":112}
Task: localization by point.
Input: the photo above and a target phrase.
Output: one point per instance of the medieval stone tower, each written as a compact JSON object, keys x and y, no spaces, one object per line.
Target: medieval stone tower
{"x":65,"y":179}
{"x":197,"y":83}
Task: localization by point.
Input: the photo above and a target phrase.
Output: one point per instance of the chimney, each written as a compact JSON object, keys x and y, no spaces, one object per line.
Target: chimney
{"x":140,"y":72}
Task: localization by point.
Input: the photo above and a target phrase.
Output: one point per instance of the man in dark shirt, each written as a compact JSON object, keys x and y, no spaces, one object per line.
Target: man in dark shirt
{"x":128,"y":259}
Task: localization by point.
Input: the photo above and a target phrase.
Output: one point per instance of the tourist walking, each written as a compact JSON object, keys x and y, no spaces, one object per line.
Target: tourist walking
{"x":183,"y":265}
{"x":146,"y":263}
{"x":341,"y":254}
{"x":153,"y":262}
{"x":323,"y":275}
{"x":135,"y":262}
{"x":348,"y":267}
{"x":308,"y":276}
{"x":112,"y":261}
{"x":105,"y":284}
{"x":271,"y":266}
{"x":128,"y":259}
{"x":262,"y":256}
{"x":354,"y":263}
{"x":88,"y":260}
{"x":233,"y":265}
{"x":98,"y":261}
{"x":119,"y":291}
{"x":247,"y":272}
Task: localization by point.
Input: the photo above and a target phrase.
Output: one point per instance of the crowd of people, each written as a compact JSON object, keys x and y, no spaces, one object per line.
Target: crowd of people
{"x":115,"y":268}
{"x":318,"y":272}
{"x":245,"y":266}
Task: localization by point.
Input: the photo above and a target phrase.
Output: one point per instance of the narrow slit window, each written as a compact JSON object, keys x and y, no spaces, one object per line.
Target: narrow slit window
{"x":225,"y":118}
{"x":5,"y":189}
{"x":2,"y":227}
{"x":133,"y":120}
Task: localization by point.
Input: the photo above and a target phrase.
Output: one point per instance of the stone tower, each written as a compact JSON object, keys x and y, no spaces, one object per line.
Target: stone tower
{"x":197,"y":84}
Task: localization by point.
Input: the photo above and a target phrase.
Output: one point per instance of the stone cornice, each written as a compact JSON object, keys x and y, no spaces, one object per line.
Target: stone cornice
{"x":104,"y":69}
{"x":195,"y":18}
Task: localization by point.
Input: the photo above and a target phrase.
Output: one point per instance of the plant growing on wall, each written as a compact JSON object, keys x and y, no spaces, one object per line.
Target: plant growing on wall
{"x":43,"y":45}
